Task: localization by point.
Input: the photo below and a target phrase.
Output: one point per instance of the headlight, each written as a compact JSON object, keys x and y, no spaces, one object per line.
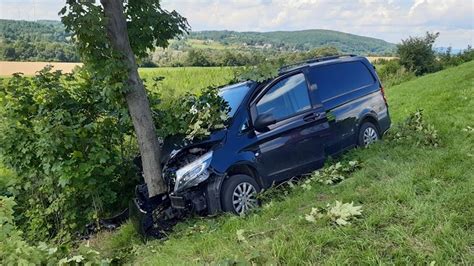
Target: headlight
{"x":194,"y":173}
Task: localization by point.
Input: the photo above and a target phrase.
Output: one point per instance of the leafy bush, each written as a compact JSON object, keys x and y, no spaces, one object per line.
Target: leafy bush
{"x":392,"y":73}
{"x":415,"y":130}
{"x":71,"y":147}
{"x":191,"y":115}
{"x":68,"y":147}
{"x":417,"y":54}
{"x":15,"y":251}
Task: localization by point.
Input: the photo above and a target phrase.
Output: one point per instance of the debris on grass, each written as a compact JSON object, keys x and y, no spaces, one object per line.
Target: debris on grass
{"x":340,"y":213}
{"x":240,"y":236}
{"x":313,"y":215}
{"x":415,"y":130}
{"x":468,"y":129}
{"x":335,"y":173}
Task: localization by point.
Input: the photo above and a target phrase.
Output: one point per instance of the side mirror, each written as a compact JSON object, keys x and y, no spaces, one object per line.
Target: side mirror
{"x":263,"y":121}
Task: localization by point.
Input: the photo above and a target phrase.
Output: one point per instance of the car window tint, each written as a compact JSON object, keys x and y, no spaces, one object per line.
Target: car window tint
{"x":289,"y":96}
{"x":336,"y":79}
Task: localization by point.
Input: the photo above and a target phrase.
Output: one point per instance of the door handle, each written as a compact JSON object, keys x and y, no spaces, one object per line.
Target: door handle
{"x":311,"y":117}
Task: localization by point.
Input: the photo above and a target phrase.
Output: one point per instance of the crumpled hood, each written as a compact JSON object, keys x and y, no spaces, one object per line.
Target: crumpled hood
{"x":174,"y":144}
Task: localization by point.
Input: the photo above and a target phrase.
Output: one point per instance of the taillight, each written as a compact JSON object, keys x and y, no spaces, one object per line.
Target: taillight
{"x":383,"y":95}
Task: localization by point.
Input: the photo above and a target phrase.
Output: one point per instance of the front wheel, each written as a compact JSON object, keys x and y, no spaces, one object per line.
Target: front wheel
{"x":239,"y":194}
{"x":368,"y":134}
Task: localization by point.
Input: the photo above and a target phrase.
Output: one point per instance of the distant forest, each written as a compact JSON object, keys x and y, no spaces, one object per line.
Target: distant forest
{"x":303,"y":40}
{"x":35,"y":41}
{"x":48,"y":41}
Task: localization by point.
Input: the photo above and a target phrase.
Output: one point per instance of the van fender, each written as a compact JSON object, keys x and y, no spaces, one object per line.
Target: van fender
{"x":241,"y":164}
{"x":367,"y":115}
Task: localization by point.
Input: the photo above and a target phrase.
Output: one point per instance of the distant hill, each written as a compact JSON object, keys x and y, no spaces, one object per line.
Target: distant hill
{"x":42,"y":30}
{"x":47,"y":41}
{"x":299,"y":40}
{"x":35,"y":41}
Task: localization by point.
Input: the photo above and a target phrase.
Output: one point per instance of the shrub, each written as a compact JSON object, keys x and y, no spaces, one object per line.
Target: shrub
{"x":70,"y":143}
{"x":393,"y":73}
{"x":15,"y":251}
{"x":417,"y":54}
{"x":67,"y":145}
{"x":447,"y":59}
{"x":191,"y":115}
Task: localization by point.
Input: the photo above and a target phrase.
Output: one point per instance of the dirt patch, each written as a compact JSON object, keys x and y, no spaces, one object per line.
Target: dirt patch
{"x":7,"y":68}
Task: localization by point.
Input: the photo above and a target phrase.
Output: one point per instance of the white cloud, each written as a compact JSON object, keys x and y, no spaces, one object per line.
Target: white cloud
{"x":386,"y":19}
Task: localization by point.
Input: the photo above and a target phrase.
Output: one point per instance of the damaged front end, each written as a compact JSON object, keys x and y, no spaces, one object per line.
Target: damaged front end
{"x":194,"y":188}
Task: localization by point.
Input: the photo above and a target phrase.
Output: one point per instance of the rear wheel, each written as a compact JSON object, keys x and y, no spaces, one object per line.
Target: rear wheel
{"x":368,"y":134}
{"x":239,"y":194}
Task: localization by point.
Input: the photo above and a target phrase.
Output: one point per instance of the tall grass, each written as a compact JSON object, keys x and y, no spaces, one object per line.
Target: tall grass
{"x":186,"y":79}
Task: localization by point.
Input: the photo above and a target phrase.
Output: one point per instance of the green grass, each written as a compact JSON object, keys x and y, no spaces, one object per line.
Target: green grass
{"x":186,"y":79}
{"x":418,"y":203}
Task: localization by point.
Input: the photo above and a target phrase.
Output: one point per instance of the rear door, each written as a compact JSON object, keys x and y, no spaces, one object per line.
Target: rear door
{"x":294,"y":144}
{"x":341,"y":88}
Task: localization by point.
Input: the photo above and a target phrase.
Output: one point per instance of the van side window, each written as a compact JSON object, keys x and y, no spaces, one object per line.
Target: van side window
{"x":337,"y":79}
{"x":286,"y":98}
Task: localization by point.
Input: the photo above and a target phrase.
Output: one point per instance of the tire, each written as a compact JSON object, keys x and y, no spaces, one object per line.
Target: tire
{"x":368,"y":134}
{"x":237,"y":189}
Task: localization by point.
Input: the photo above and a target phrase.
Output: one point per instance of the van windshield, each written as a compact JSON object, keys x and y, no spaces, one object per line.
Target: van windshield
{"x":234,"y":94}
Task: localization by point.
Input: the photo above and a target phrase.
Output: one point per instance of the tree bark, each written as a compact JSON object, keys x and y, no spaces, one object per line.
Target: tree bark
{"x":136,"y":98}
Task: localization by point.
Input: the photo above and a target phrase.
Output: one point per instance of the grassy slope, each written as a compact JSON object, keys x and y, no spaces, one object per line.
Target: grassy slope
{"x":417,"y":202}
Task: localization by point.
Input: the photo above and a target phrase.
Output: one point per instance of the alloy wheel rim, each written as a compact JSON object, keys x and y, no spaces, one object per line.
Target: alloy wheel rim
{"x":244,"y":197}
{"x":370,"y":136}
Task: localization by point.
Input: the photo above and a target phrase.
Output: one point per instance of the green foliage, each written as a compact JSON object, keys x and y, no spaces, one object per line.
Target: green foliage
{"x":35,"y":41}
{"x":415,"y":130}
{"x":150,"y":26}
{"x":15,"y":251}
{"x":196,"y":58}
{"x":417,"y":54}
{"x":177,"y":81}
{"x":7,"y":180}
{"x":328,"y":175}
{"x":69,"y":149}
{"x":304,"y":40}
{"x":335,"y":173}
{"x":105,"y":65}
{"x":447,"y":59}
{"x":391,"y":73}
{"x":259,"y":73}
{"x":191,"y":115}
{"x":240,"y":56}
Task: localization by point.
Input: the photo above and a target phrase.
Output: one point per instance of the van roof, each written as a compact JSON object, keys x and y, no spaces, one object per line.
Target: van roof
{"x":319,"y":61}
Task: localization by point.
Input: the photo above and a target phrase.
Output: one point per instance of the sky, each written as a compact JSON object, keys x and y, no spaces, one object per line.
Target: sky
{"x":389,"y":20}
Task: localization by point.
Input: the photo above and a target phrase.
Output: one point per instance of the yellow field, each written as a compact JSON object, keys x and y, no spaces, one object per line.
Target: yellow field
{"x":7,"y":68}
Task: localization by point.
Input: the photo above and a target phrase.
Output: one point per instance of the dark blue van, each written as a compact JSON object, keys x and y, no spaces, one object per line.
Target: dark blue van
{"x":278,"y":129}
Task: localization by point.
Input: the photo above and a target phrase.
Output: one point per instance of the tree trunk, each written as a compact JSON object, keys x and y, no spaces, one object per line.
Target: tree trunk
{"x":136,"y":98}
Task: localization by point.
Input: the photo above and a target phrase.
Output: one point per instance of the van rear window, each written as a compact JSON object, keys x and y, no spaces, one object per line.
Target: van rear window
{"x":337,"y":79}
